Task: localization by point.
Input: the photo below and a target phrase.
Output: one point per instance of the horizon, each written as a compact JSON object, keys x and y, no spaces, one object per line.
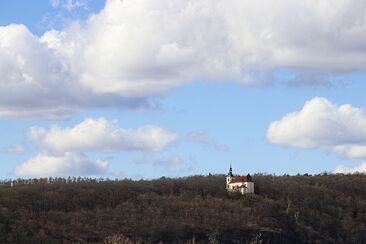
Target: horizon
{"x":119,"y":89}
{"x":101,"y":179}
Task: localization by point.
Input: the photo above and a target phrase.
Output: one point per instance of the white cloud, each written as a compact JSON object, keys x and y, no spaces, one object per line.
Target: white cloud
{"x":47,"y":70}
{"x":101,"y":135}
{"x":134,"y":50}
{"x":321,"y":124}
{"x":67,"y":164}
{"x":61,"y":148}
{"x":202,"y":138}
{"x":351,"y":150}
{"x":347,"y":170}
{"x":58,"y":69}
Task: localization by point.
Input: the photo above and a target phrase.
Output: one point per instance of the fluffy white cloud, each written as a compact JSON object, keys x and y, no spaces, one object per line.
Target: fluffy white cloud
{"x":101,"y":135}
{"x":135,"y":49}
{"x":62,"y":147}
{"x":346,"y":170}
{"x":321,"y":124}
{"x":29,"y":69}
{"x":38,"y":81}
{"x":67,"y":164}
{"x":351,"y":150}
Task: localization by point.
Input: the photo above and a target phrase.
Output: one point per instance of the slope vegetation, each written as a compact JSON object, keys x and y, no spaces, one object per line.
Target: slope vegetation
{"x":197,"y":209}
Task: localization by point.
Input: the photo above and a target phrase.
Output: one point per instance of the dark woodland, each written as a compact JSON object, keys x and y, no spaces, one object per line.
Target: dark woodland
{"x":197,"y":209}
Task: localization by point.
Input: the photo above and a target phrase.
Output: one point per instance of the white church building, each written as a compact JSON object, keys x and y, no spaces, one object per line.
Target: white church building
{"x":242,"y":184}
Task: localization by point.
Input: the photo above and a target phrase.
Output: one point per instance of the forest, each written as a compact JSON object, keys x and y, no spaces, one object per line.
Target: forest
{"x":324,"y":208}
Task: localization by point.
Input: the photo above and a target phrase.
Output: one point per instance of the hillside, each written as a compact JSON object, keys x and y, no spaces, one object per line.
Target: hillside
{"x":286,"y":209}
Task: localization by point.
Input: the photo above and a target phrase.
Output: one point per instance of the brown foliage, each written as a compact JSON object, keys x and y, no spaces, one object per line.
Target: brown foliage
{"x":197,"y":209}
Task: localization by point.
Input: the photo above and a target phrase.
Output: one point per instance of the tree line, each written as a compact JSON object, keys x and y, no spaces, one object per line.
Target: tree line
{"x":197,"y":209}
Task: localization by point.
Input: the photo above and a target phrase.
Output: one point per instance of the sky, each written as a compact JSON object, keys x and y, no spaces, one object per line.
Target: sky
{"x":145,"y":89}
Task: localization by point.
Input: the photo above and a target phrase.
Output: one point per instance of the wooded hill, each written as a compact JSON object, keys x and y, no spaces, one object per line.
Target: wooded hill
{"x":286,"y":209}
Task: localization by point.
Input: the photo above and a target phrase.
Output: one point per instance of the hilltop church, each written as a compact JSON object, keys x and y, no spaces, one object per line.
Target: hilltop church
{"x":242,"y":184}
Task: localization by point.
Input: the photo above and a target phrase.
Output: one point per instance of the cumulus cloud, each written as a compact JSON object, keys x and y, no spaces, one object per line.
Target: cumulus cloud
{"x":101,"y":135}
{"x":202,"y":138}
{"x":132,"y":50}
{"x":62,"y":148}
{"x":351,"y":150}
{"x":30,"y":69}
{"x":67,"y":164}
{"x":347,"y":170}
{"x":322,"y":124}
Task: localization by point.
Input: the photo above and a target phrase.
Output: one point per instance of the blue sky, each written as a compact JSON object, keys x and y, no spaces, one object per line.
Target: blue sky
{"x":126,"y":89}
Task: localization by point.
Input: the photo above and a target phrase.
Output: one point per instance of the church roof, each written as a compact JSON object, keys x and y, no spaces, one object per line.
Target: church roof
{"x":239,"y":179}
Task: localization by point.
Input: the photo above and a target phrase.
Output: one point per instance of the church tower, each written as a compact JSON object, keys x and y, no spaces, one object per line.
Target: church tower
{"x":229,"y":177}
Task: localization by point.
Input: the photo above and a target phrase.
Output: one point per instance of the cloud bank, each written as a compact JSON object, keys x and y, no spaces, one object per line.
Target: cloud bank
{"x":347,"y":170}
{"x":322,"y":124}
{"x":132,"y":50}
{"x":101,"y":135}
{"x":67,"y":164}
{"x":63,"y":149}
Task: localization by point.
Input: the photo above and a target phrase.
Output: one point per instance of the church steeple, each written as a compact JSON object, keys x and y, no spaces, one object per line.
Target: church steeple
{"x":230,"y":172}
